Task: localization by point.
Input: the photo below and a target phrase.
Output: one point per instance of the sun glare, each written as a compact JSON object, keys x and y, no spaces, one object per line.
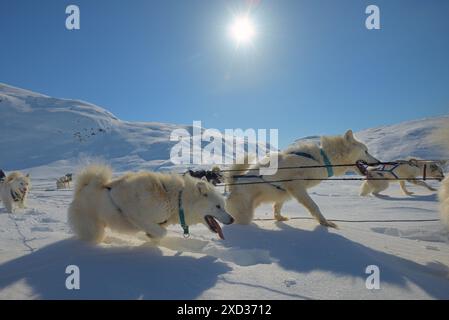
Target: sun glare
{"x":242,"y":30}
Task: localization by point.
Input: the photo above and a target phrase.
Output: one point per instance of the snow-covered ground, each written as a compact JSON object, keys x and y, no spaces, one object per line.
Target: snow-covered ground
{"x":292,"y":260}
{"x":297,"y":259}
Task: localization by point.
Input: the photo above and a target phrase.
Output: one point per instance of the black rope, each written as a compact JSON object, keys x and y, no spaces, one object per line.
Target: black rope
{"x":354,"y":221}
{"x":339,"y":165}
{"x":318,"y":179}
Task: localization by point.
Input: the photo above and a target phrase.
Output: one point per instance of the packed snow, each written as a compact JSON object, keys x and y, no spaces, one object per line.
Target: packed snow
{"x":296,"y":259}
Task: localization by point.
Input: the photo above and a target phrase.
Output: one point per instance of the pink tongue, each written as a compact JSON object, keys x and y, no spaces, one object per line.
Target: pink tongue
{"x":217,"y":228}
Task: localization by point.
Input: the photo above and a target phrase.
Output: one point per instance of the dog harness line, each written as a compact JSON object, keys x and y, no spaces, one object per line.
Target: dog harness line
{"x":327,"y":162}
{"x":182,"y":218}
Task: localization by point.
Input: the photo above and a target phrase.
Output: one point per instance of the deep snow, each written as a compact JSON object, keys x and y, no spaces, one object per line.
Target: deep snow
{"x":292,"y":260}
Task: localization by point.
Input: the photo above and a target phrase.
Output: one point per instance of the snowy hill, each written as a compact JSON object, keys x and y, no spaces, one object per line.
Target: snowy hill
{"x":38,"y":130}
{"x":399,"y":141}
{"x":413,"y":138}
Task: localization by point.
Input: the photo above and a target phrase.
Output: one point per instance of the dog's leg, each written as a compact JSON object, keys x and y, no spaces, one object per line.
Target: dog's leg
{"x":303,"y":197}
{"x":404,"y":189}
{"x":153,"y":230}
{"x":365,"y":189}
{"x":9,"y":206}
{"x":277,"y":211}
{"x":422,"y":184}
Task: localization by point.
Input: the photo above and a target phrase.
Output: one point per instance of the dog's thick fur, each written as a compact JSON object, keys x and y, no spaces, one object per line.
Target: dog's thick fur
{"x":16,"y":184}
{"x":411,"y":169}
{"x":136,"y":202}
{"x":243,"y":199}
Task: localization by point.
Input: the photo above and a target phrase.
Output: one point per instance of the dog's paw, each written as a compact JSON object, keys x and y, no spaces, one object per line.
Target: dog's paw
{"x":328,"y":224}
{"x":280,"y":218}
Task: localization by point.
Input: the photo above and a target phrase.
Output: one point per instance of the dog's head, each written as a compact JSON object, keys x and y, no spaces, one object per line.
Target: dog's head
{"x":207,"y":205}
{"x":356,"y":150}
{"x":435,"y":171}
{"x":20,"y":183}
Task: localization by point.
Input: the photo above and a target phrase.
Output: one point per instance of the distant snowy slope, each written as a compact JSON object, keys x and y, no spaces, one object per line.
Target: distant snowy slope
{"x":413,"y":138}
{"x":399,"y":141}
{"x":37,"y":130}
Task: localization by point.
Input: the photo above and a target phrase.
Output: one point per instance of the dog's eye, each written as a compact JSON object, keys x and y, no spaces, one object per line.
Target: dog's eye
{"x":218,"y":206}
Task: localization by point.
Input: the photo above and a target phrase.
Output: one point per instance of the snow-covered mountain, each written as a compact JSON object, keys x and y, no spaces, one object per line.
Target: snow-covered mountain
{"x":412,"y":138}
{"x":37,"y":130}
{"x":399,"y":141}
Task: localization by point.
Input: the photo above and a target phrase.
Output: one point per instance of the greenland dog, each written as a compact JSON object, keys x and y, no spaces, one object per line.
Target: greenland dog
{"x":147,"y":202}
{"x":407,"y":170}
{"x":64,"y":182}
{"x":14,"y":190}
{"x":243,"y":199}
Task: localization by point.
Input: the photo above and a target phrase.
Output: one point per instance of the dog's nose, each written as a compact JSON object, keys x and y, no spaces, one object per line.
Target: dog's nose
{"x":232,"y":220}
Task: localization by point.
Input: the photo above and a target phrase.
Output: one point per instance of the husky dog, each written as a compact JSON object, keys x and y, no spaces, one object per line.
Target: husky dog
{"x":14,"y":190}
{"x":243,"y":199}
{"x":64,"y":182}
{"x":399,"y":170}
{"x":147,"y":202}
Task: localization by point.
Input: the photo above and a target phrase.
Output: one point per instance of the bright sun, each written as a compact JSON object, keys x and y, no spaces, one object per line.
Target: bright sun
{"x":242,"y":30}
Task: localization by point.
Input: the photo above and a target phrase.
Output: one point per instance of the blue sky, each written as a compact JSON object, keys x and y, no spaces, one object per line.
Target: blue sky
{"x":313,"y":69}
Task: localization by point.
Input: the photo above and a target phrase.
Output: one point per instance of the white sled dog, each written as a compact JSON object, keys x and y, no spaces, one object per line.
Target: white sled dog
{"x":411,"y":169}
{"x":64,"y":182}
{"x":145,"y":201}
{"x":14,"y":190}
{"x":243,"y":199}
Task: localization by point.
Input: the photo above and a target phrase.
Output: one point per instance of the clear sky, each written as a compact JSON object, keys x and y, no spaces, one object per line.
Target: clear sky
{"x":313,"y":67}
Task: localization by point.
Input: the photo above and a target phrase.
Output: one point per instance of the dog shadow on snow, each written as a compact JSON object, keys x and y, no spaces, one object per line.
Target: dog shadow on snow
{"x":305,"y":251}
{"x":112,"y":273}
{"x":413,"y":197}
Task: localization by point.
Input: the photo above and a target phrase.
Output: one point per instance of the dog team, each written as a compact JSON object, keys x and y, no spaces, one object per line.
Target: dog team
{"x":149,"y":202}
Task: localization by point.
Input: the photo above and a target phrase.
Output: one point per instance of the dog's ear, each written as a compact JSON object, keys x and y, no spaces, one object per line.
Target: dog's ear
{"x":349,"y":136}
{"x":202,"y":188}
{"x":27,"y":175}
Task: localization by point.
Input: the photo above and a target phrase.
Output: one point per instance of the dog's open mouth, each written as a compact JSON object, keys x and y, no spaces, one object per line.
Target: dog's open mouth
{"x":214,"y":226}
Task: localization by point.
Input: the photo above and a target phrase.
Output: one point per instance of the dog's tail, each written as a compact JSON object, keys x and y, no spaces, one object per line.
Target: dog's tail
{"x":83,"y":217}
{"x":94,"y":175}
{"x":238,"y":169}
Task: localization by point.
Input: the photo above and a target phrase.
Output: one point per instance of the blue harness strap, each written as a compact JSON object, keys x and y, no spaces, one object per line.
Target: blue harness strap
{"x":327,"y":162}
{"x":182,"y":218}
